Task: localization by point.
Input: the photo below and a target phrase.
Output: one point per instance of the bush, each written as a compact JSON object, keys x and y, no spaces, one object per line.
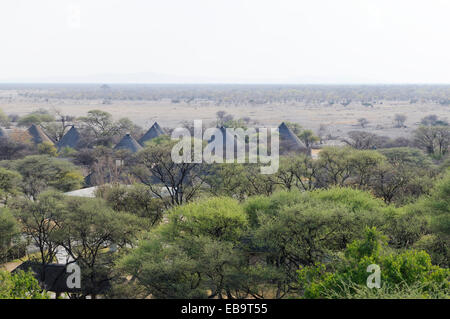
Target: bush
{"x":407,"y":273}
{"x":21,"y":285}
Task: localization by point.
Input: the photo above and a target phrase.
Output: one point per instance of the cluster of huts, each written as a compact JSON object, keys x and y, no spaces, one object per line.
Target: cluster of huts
{"x":71,"y":139}
{"x":54,"y":277}
{"x":130,"y":144}
{"x":289,"y":142}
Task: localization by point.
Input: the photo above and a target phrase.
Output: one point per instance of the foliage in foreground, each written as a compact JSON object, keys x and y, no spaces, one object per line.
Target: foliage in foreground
{"x":219,"y":248}
{"x":406,"y":274}
{"x":21,"y":285}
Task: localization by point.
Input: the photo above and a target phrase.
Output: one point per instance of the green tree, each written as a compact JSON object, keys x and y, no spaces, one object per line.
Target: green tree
{"x":308,"y":137}
{"x":125,"y":125}
{"x":296,"y":128}
{"x":195,"y":254}
{"x":100,"y":122}
{"x":294,"y":229}
{"x":335,"y":165}
{"x":9,"y":184}
{"x":21,"y":285}
{"x":400,"y":120}
{"x":435,"y":209}
{"x":40,"y":117}
{"x":399,"y":270}
{"x":40,"y":222}
{"x":89,"y":230}
{"x":405,"y":174}
{"x":179,"y":182}
{"x":435,"y":140}
{"x":9,"y":230}
{"x":136,"y":199}
{"x":4,"y":121}
{"x":298,"y":172}
{"x":47,"y":148}
{"x":40,"y":172}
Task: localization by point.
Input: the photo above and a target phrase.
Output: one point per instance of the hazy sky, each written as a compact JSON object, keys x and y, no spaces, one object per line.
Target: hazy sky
{"x":291,"y":41}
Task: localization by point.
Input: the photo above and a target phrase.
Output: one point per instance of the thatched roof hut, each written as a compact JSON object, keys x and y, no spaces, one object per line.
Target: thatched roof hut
{"x":37,"y":135}
{"x":227,"y":139}
{"x":54,"y":277}
{"x":289,"y":142}
{"x":153,"y":132}
{"x":128,"y":143}
{"x":70,"y":139}
{"x":51,"y":277}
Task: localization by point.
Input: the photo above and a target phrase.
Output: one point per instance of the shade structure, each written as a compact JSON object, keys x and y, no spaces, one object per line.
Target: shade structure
{"x":153,"y":132}
{"x":289,"y":142}
{"x":70,"y":139}
{"x":37,"y":135}
{"x":128,"y":143}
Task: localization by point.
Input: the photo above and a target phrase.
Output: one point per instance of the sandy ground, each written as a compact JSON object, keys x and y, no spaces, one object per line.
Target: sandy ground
{"x":337,"y":118}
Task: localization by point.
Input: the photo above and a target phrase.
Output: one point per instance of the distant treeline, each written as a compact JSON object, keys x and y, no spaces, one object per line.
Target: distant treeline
{"x":239,"y":94}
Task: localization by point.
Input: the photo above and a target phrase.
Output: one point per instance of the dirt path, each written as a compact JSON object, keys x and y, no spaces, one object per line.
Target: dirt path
{"x":11,"y":265}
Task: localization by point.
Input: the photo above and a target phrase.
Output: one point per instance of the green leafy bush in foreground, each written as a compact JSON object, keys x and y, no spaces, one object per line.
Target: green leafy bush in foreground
{"x":407,"y":274}
{"x":21,"y":285}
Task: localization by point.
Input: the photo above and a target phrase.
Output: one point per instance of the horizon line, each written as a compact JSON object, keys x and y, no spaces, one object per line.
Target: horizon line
{"x":229,"y":83}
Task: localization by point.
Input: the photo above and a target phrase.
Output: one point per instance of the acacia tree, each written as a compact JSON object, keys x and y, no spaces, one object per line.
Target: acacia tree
{"x":238,"y":180}
{"x":21,"y":285}
{"x":364,"y":140}
{"x":400,"y":120}
{"x":436,"y":211}
{"x":435,"y":140}
{"x":442,"y":140}
{"x":136,"y":199}
{"x":87,"y":227}
{"x":195,"y":254}
{"x":40,"y":172}
{"x":406,"y":274}
{"x":59,"y":126}
{"x":293,"y":229}
{"x":9,"y":184}
{"x":297,"y":172}
{"x":404,"y":172}
{"x":335,"y":166}
{"x":39,"y":220}
{"x":4,"y":121}
{"x":11,"y":149}
{"x":425,"y":138}
{"x":387,"y":181}
{"x":99,"y":122}
{"x":363,"y":122}
{"x":177,"y":181}
{"x":9,"y":230}
{"x":39,"y":117}
{"x":308,"y":137}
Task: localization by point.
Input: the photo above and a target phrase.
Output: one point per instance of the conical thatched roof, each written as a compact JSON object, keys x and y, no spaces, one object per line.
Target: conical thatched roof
{"x":128,"y":143}
{"x":289,"y":142}
{"x":153,"y":132}
{"x":70,"y":139}
{"x":227,"y":138}
{"x":37,"y":135}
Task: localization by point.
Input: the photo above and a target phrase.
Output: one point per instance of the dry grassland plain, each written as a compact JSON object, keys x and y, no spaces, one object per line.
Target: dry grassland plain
{"x":337,"y":118}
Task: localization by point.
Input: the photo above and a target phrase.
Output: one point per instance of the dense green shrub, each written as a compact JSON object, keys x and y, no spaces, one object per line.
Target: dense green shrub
{"x":408,"y":273}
